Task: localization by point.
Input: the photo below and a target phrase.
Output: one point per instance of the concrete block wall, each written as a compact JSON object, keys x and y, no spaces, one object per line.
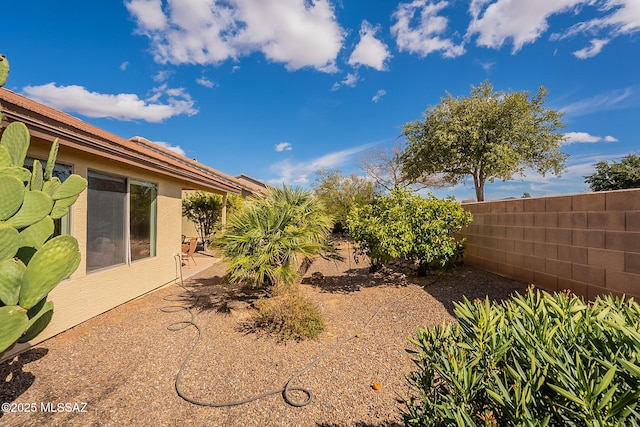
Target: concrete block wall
{"x":589,"y":243}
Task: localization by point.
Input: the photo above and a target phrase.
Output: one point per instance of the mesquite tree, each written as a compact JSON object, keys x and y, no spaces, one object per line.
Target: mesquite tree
{"x":488,"y":135}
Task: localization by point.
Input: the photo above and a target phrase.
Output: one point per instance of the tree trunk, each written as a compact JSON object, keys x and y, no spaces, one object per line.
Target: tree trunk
{"x":480,"y":192}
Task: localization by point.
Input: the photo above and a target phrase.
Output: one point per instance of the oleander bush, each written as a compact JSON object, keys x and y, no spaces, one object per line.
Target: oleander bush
{"x":405,"y":224}
{"x":537,"y":359}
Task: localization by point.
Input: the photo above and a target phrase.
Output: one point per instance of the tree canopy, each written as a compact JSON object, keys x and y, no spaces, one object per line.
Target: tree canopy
{"x":616,"y":175}
{"x":204,"y":210}
{"x":340,"y":193}
{"x":487,"y":135}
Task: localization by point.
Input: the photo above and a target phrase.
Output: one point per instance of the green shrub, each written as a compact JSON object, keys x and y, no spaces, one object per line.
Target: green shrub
{"x":265,"y":241}
{"x":404,"y":224}
{"x":289,"y":315}
{"x":536,"y":359}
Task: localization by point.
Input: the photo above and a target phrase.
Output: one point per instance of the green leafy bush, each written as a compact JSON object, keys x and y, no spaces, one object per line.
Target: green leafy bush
{"x":537,"y":359}
{"x":404,"y":224}
{"x":265,"y":241}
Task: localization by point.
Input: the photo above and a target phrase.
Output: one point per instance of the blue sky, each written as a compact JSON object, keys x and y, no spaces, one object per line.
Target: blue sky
{"x":277,"y":89}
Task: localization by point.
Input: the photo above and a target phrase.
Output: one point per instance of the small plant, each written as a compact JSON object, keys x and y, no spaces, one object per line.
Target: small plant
{"x":31,"y":262}
{"x":289,"y":315}
{"x":538,"y":359}
{"x":404,"y":224}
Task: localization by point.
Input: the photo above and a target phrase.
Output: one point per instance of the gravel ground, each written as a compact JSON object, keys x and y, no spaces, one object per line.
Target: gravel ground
{"x":119,"y":368}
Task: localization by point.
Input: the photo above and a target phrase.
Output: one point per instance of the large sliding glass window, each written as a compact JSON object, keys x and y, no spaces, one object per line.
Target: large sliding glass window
{"x":121,"y":220}
{"x":106,"y":221}
{"x":142,"y":219}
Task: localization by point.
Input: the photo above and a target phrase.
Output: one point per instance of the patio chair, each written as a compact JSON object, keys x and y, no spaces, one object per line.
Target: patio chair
{"x":188,"y":249}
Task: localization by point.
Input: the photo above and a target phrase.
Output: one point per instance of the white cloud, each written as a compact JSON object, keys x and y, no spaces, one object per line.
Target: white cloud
{"x":298,"y":33}
{"x":175,"y":148}
{"x":298,"y":172}
{"x":615,"y":99}
{"x":423,"y":37}
{"x":498,"y":22}
{"x":378,"y":96}
{"x":370,"y":51}
{"x":615,"y":18}
{"x":349,"y":80}
{"x":148,"y":13}
{"x":283,"y":146}
{"x":592,"y":50}
{"x":124,"y":106}
{"x":578,"y":137}
{"x":124,"y":65}
{"x":203,"y":81}
{"x":162,"y":76}
{"x":520,"y":22}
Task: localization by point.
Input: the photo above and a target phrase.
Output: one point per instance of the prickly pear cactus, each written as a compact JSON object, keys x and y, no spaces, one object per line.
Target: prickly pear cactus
{"x":31,"y":262}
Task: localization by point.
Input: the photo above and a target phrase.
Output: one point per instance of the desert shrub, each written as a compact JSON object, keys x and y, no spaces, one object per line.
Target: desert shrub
{"x":265,"y":241}
{"x":536,"y":359}
{"x":404,"y":224}
{"x":289,"y":315}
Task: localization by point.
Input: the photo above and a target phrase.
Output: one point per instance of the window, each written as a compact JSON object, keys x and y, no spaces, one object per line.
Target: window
{"x":121,"y":220}
{"x":142,"y":219}
{"x":62,"y":172}
{"x":106,"y":220}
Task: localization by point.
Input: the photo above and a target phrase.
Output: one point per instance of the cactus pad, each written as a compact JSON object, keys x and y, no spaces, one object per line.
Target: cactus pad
{"x":35,"y":207}
{"x":14,"y":322}
{"x":11,"y":196}
{"x":51,"y":185}
{"x":16,"y":171}
{"x":55,"y":261}
{"x":72,"y":186}
{"x":9,"y":242}
{"x":36,"y":176}
{"x":61,"y":207}
{"x":51,"y":161}
{"x":4,"y":69}
{"x":11,"y":272}
{"x":36,"y":234}
{"x":5,"y":157}
{"x":38,"y":321}
{"x":16,"y":139}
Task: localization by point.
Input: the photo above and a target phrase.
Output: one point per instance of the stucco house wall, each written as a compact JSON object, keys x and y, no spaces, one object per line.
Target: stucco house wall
{"x":85,"y":148}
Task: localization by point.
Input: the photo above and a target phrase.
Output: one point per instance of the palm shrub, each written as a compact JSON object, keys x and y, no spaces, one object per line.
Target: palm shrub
{"x":267,"y":238}
{"x":537,"y":359}
{"x":404,"y":224}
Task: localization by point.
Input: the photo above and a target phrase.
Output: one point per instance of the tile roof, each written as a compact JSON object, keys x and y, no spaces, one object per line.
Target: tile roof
{"x":48,"y":123}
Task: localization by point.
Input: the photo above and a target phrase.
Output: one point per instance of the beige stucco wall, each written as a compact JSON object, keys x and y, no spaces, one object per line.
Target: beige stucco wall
{"x":589,"y":243}
{"x":86,"y":295}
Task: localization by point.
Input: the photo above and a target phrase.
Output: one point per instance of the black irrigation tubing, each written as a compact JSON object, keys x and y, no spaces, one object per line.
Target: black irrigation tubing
{"x":177,"y":326}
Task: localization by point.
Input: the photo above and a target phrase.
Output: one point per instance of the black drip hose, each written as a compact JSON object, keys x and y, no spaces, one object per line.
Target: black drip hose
{"x":177,"y":326}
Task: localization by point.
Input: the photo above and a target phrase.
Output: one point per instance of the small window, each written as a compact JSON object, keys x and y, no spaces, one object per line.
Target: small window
{"x":106,"y":220}
{"x":62,"y":172}
{"x":142,"y":219}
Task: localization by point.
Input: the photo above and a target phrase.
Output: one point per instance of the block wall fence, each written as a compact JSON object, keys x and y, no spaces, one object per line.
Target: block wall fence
{"x":589,"y":243}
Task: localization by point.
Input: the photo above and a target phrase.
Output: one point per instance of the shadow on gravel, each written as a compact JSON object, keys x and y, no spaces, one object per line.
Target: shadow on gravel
{"x":13,"y":378}
{"x":215,"y":294}
{"x":465,"y":281}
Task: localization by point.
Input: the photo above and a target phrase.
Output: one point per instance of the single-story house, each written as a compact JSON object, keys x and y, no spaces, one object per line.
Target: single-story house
{"x":128,"y":221}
